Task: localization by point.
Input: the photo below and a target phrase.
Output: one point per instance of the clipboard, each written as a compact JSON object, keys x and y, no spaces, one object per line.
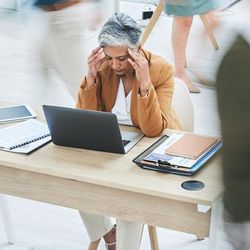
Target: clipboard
{"x":165,"y":167}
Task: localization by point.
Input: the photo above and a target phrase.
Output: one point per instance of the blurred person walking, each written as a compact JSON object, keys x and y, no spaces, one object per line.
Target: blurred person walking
{"x":183,"y":12}
{"x":64,"y":43}
{"x":233,"y":84}
{"x":233,"y":91}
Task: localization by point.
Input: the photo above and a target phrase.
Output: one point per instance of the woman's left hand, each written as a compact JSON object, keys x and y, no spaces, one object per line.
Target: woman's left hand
{"x":140,"y":64}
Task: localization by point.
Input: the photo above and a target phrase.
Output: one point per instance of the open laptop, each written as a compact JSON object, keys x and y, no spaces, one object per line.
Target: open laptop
{"x":88,"y":129}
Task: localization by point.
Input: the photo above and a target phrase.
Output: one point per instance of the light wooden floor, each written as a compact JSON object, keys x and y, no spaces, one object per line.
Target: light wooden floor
{"x":49,"y":227}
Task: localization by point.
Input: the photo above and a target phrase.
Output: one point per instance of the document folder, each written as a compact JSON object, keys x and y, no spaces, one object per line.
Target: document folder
{"x":166,"y":167}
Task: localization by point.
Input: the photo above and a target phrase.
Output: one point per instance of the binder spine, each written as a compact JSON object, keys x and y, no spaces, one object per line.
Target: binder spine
{"x":28,"y":142}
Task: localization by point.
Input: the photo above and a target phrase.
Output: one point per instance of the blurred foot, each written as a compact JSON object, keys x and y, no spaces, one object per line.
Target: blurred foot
{"x":194,"y":90}
{"x":188,"y":82}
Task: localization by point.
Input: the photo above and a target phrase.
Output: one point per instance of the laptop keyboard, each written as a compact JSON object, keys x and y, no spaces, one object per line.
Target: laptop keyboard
{"x":125,"y":142}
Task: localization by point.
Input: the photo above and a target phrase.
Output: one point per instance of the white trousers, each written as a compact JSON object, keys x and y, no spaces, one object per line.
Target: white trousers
{"x":128,"y":234}
{"x":67,"y":37}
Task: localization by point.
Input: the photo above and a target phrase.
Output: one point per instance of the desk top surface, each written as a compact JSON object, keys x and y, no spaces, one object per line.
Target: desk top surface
{"x":117,"y":171}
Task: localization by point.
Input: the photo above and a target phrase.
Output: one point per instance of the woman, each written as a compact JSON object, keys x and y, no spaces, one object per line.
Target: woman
{"x":183,"y":12}
{"x":135,"y":85}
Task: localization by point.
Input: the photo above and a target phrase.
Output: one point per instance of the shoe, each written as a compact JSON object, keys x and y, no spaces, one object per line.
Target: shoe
{"x":108,"y":245}
{"x":111,"y":245}
{"x":194,"y":90}
{"x":186,"y":80}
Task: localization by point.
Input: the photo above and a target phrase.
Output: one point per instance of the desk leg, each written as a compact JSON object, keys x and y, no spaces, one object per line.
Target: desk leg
{"x":214,"y":224}
{"x":7,"y":222}
{"x":8,"y":225}
{"x":202,"y":209}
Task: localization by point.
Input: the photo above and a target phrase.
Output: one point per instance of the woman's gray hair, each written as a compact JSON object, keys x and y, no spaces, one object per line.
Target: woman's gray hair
{"x":120,"y":30}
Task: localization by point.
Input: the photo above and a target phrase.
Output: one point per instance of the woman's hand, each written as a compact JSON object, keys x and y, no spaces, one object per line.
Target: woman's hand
{"x":95,"y":60}
{"x":140,"y":64}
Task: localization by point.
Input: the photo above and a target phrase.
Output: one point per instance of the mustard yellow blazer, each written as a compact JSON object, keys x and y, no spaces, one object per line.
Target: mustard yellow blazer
{"x":152,"y":113}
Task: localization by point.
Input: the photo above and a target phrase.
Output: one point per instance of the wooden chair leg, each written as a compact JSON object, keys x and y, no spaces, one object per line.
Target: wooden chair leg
{"x":153,"y":237}
{"x":93,"y":245}
{"x":205,"y":21}
{"x":152,"y":22}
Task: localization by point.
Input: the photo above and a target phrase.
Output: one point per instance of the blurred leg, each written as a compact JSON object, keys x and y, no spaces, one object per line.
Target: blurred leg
{"x":180,"y":33}
{"x":68,"y":43}
{"x":70,"y":38}
{"x":237,"y":233}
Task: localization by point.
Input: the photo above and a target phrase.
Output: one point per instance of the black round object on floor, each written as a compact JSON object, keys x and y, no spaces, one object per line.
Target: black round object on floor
{"x":193,"y":185}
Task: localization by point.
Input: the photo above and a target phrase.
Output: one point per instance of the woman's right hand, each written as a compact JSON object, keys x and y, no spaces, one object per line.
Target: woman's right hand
{"x":95,"y":60}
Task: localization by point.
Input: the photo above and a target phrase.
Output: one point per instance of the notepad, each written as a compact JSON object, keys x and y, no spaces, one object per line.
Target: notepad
{"x":191,"y":146}
{"x":24,"y":137}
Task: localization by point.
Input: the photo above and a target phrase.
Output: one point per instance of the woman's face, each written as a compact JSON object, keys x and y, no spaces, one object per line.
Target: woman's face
{"x":117,"y":58}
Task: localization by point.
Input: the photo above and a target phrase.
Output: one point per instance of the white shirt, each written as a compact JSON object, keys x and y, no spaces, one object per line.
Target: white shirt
{"x":122,"y":106}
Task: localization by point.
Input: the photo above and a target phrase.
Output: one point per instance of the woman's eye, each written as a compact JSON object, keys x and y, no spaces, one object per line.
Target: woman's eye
{"x":109,"y":59}
{"x":122,"y":59}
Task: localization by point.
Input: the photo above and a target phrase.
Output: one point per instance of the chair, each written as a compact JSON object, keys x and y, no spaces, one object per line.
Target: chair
{"x":159,"y":8}
{"x":184,"y":110}
{"x":183,"y":105}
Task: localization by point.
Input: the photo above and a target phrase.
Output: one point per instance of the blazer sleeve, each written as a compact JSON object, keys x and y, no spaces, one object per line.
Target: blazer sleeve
{"x":90,"y":98}
{"x":155,"y":112}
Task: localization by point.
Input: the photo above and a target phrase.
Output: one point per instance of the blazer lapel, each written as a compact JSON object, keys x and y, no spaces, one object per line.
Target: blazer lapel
{"x":133,"y":103}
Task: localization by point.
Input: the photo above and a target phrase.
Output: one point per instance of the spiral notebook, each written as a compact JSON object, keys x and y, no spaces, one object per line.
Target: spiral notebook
{"x":24,"y":137}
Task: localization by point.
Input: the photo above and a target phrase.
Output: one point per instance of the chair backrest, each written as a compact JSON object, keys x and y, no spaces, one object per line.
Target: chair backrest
{"x":183,"y":105}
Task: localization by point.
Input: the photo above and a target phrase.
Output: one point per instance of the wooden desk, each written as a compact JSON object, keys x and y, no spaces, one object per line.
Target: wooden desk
{"x":110,"y":184}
